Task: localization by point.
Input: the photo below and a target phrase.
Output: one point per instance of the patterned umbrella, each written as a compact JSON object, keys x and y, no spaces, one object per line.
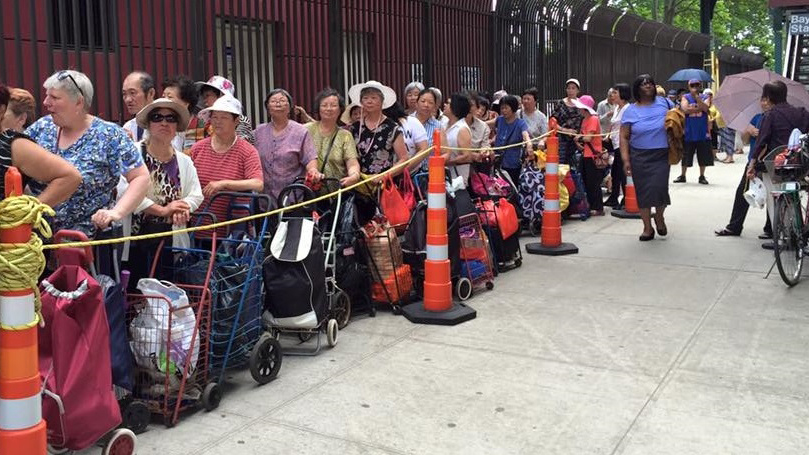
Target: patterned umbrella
{"x":739,"y":95}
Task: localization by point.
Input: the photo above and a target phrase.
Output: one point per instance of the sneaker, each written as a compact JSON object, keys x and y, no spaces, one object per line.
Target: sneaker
{"x":680,"y":179}
{"x":703,"y":180}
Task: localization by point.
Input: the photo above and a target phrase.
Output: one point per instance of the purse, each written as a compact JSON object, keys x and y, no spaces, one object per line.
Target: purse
{"x":392,"y":203}
{"x":602,"y":159}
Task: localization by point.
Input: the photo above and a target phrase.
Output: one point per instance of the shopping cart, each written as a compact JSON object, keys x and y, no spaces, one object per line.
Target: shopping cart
{"x":475,"y":255}
{"x":172,"y":357}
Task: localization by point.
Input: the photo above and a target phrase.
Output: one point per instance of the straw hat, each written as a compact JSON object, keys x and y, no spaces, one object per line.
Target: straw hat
{"x":142,"y":118}
{"x":388,"y":95}
{"x":223,"y":104}
{"x":346,"y":117}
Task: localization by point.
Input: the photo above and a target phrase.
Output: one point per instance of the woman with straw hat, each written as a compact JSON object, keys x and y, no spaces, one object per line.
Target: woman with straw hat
{"x":379,"y":139}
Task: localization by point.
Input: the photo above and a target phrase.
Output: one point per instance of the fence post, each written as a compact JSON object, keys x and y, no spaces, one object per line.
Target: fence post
{"x":427,"y":44}
{"x":336,"y":56}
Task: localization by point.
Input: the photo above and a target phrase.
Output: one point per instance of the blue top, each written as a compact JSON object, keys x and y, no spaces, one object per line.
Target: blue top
{"x":647,"y":124}
{"x":696,"y":125}
{"x":431,"y":125}
{"x":102,"y":154}
{"x":510,"y":133}
{"x":756,"y":122}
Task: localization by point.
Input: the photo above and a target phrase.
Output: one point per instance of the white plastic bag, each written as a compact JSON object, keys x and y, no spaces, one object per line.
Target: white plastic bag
{"x":756,"y":194}
{"x":150,"y":329}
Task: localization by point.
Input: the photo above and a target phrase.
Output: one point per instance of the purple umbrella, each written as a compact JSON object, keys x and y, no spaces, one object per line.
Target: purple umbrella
{"x":739,"y":95}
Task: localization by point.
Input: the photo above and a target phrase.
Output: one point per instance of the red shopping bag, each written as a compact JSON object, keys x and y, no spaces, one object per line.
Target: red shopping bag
{"x":408,"y":192}
{"x":507,"y":218}
{"x":393,"y":204}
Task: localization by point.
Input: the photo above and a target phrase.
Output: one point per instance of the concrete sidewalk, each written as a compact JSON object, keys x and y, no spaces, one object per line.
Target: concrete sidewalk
{"x":674,"y":346}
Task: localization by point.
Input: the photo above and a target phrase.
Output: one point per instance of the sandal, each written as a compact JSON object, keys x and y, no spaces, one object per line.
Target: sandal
{"x":662,"y":231}
{"x":646,"y":238}
{"x":726,"y":233}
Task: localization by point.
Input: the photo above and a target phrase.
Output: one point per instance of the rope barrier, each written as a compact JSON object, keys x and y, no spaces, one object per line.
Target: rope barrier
{"x":417,"y":157}
{"x":21,"y":264}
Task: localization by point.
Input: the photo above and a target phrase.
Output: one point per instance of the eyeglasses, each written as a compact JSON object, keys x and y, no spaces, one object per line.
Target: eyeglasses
{"x":280,"y":102}
{"x":157,"y":118}
{"x":64,"y":74}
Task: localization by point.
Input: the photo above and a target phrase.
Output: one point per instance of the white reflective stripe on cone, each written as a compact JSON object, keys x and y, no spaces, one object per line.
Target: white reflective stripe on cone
{"x":17,"y":310}
{"x":629,"y":180}
{"x":20,"y":414}
{"x":552,"y":168}
{"x":437,"y":252}
{"x":436,"y":201}
{"x":551,"y":205}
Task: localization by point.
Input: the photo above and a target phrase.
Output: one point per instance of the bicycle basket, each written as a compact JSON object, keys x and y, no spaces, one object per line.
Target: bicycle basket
{"x":787,"y":163}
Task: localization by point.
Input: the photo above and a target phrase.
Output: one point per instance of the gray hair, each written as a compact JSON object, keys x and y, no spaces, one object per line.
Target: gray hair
{"x":415,"y":85}
{"x":74,"y":83}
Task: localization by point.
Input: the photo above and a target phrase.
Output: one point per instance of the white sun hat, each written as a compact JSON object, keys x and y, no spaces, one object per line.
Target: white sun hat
{"x":223,"y":84}
{"x":223,"y":104}
{"x":388,"y":94}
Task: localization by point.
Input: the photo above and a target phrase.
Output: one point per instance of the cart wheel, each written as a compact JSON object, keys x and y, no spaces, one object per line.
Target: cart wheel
{"x":396,"y":309}
{"x":168,"y":421}
{"x":332,"y":328}
{"x":489,"y":285}
{"x":305,"y":336}
{"x":535,"y":227}
{"x":211,"y":396}
{"x":58,"y":450}
{"x":122,"y":442}
{"x":518,"y":262}
{"x":265,"y":360}
{"x":136,"y":416}
{"x":463,"y":288}
{"x":341,"y":309}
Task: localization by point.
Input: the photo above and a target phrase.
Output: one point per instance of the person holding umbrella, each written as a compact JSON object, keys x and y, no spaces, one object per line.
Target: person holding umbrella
{"x":697,"y":137}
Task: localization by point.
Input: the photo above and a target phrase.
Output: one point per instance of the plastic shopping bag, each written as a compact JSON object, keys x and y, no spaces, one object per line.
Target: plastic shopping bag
{"x":159,"y":327}
{"x":756,"y":194}
{"x":393,"y":204}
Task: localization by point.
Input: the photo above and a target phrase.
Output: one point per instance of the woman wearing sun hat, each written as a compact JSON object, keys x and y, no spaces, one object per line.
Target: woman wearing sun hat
{"x":211,"y":90}
{"x":174,"y":191}
{"x":225,"y":161}
{"x":379,"y":139}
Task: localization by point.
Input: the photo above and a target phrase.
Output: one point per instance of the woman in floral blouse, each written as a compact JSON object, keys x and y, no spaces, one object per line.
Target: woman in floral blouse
{"x":379,"y":139}
{"x":569,"y":119}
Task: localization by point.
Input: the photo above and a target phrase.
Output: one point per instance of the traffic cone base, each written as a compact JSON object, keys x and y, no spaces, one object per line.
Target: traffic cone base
{"x":561,"y":250}
{"x":455,"y":315}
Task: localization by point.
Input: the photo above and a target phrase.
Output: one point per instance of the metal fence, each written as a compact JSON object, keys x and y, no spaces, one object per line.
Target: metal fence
{"x":306,"y":45}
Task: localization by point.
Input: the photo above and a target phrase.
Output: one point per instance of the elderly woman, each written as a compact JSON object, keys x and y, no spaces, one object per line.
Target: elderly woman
{"x":426,"y":105}
{"x":100,"y":150}
{"x":411,"y":96}
{"x":214,"y":88}
{"x":336,"y":151}
{"x":379,"y":139}
{"x":569,"y":118}
{"x":285,"y":146}
{"x":18,"y":150}
{"x":182,"y":90}
{"x":174,"y":191}
{"x":459,"y":135}
{"x":225,"y":161}
{"x":415,"y":136}
{"x":645,"y":152}
{"x":21,"y":111}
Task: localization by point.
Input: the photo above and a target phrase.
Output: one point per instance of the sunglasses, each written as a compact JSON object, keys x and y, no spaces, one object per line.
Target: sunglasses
{"x":695,"y":85}
{"x":64,"y":74}
{"x":647,"y":82}
{"x":157,"y":118}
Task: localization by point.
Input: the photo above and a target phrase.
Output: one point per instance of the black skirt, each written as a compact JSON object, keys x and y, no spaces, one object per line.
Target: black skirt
{"x":650,"y":173}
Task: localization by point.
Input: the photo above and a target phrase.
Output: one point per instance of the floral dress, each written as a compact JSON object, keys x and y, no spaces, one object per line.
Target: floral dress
{"x":567,"y":117}
{"x":102,"y":154}
{"x":375,"y":147}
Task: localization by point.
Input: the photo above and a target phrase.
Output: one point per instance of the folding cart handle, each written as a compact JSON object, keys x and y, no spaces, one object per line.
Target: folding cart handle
{"x":82,"y":257}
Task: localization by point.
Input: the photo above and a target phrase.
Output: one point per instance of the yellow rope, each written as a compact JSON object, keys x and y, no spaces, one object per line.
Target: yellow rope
{"x":417,"y":157}
{"x":21,"y":264}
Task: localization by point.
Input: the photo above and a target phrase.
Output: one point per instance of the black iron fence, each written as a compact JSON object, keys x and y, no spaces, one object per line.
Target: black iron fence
{"x":305,"y":45}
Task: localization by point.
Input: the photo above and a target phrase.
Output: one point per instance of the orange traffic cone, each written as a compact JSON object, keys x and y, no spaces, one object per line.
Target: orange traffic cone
{"x":438,"y":307}
{"x":630,"y":210}
{"x":22,"y":429}
{"x":551,"y":240}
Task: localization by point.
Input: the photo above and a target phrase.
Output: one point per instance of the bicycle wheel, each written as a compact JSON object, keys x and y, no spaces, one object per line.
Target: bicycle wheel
{"x":787,"y":237}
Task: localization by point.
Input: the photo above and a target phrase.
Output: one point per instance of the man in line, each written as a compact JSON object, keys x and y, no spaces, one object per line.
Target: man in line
{"x":138,"y":90}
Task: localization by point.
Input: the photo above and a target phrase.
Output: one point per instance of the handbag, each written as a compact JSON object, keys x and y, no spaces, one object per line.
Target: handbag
{"x":408,"y":191}
{"x":602,"y":159}
{"x":507,"y":220}
{"x":392,"y":203}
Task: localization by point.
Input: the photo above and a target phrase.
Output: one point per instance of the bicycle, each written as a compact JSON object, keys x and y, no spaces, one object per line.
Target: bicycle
{"x":789,"y":168}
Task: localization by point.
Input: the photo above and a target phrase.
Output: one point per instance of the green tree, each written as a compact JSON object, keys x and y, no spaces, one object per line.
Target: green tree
{"x":744,"y":24}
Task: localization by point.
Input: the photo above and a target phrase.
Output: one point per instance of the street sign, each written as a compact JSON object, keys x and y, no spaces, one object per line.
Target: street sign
{"x":799,"y":24}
